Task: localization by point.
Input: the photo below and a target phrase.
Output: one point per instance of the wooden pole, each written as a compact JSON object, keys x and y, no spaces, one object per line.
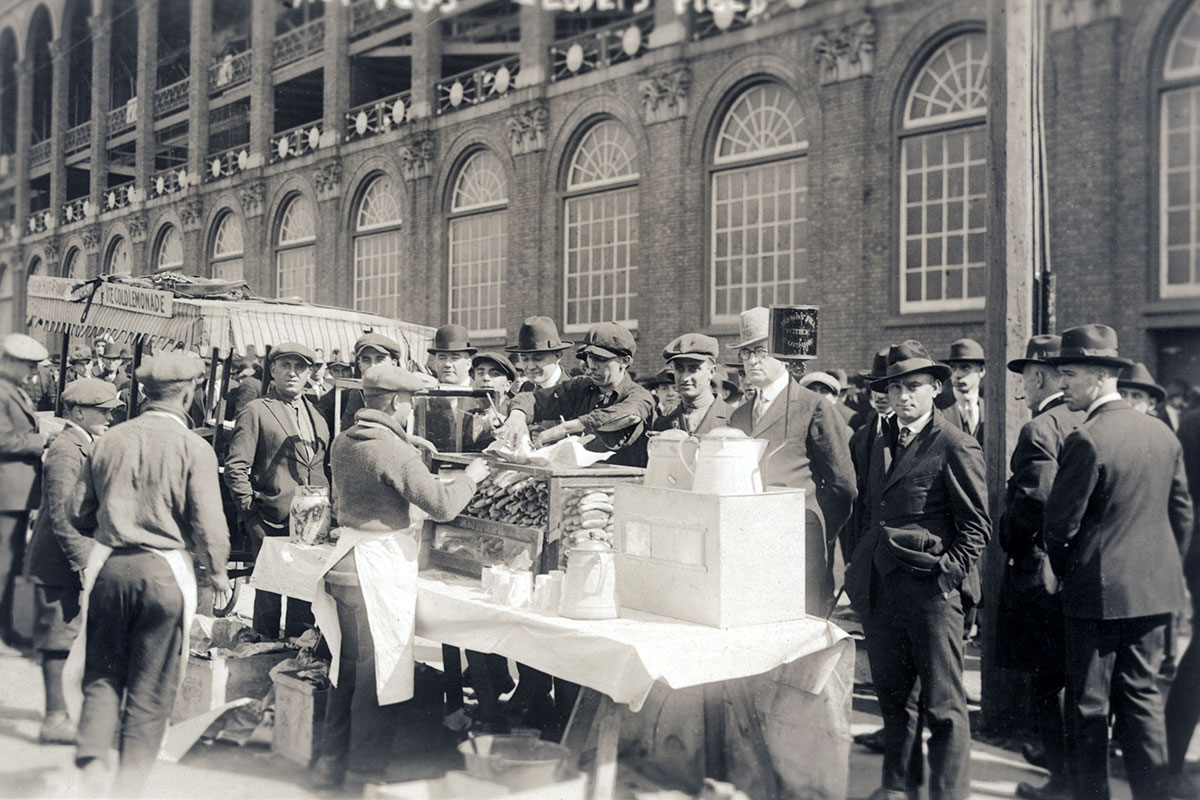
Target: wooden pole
{"x":1014,"y":259}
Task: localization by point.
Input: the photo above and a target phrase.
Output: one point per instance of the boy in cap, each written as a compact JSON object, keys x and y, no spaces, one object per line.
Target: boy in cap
{"x":58,"y":553}
{"x":148,"y":494}
{"x":537,"y":354}
{"x":20,"y":465}
{"x":494,"y":372}
{"x":692,"y":358}
{"x":279,"y":443}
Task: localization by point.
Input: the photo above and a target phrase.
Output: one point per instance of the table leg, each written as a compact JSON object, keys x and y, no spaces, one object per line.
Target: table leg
{"x":596,"y":714}
{"x":714,"y":731}
{"x":452,"y":678}
{"x":752,"y":770}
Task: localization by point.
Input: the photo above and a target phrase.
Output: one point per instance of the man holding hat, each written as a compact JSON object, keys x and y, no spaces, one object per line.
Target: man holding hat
{"x":928,"y":525}
{"x":963,"y":405}
{"x":1029,"y":625}
{"x":693,"y":360}
{"x":1137,"y":387}
{"x":278,"y":443}
{"x":537,"y":354}
{"x":369,"y":350}
{"x":366,"y":600}
{"x":148,"y":494}
{"x":605,"y":401}
{"x":1116,"y":520}
{"x":20,"y":464}
{"x":811,"y":451}
{"x":58,"y":553}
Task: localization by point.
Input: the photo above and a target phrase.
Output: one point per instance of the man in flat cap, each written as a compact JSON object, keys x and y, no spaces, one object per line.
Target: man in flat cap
{"x":494,"y":372}
{"x":810,"y":447}
{"x":148,"y":495}
{"x":369,"y":350}
{"x":58,"y":553}
{"x":537,"y":354}
{"x":279,"y":443}
{"x":1117,"y":517}
{"x":366,"y":601}
{"x":20,"y":464}
{"x":692,"y":358}
{"x":80,"y":363}
{"x":605,"y":401}
{"x":963,"y":405}
{"x":1029,"y":624}
{"x":928,"y":526}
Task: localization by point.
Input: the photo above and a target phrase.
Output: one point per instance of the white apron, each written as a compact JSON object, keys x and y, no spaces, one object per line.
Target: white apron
{"x":387,"y":575}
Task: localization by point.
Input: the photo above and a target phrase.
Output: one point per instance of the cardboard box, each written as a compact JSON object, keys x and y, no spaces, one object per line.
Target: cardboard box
{"x":457,"y":785}
{"x":719,"y":560}
{"x":213,"y":682}
{"x":299,"y":718}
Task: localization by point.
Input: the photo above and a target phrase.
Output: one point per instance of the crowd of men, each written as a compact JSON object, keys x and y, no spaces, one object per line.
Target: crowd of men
{"x":1097,"y":527}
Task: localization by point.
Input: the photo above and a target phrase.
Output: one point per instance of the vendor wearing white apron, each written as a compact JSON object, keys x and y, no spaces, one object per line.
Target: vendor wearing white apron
{"x":148,"y":492}
{"x":366,"y":601}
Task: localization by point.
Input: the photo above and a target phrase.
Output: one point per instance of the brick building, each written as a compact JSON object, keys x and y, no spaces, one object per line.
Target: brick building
{"x":486,"y":160}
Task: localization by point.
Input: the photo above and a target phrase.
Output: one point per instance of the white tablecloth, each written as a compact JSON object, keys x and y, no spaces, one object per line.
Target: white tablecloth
{"x":622,"y":657}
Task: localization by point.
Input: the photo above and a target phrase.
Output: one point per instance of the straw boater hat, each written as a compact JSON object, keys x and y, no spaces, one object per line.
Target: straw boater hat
{"x":907,"y":358}
{"x":1037,"y":350}
{"x":538,"y":335}
{"x":1138,"y":377}
{"x":452,"y":339}
{"x":966,"y":351}
{"x":755,"y":327}
{"x":823,"y":378}
{"x":1090,"y":344}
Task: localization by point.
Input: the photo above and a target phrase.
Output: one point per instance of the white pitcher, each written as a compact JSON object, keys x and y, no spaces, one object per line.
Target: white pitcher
{"x":667,"y":465}
{"x":728,"y":463}
{"x":589,"y":590}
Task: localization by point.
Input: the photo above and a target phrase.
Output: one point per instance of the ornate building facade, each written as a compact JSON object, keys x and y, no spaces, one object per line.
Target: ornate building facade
{"x":664,"y":164}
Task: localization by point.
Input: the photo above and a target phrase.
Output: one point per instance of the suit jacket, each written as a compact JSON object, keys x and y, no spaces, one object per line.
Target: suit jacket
{"x":57,"y":551}
{"x":248,"y":390}
{"x":848,"y":414}
{"x":1189,"y":438}
{"x":1119,"y":516}
{"x":947,"y":403}
{"x":815,"y":456}
{"x":717,"y":416}
{"x":20,"y":450}
{"x":267,"y":461}
{"x":862,"y":445}
{"x":1160,"y":411}
{"x":43,"y":389}
{"x":928,"y":513}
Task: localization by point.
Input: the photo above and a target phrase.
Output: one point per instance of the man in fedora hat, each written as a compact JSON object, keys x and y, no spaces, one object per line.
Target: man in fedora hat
{"x":692,"y":359}
{"x":810,"y":447}
{"x":279,"y":442}
{"x":451,"y":352}
{"x":1137,"y":387}
{"x":662,"y":386}
{"x":963,"y":404}
{"x":1116,"y":519}
{"x":928,"y":525}
{"x":1029,"y":624}
{"x":879,"y":420}
{"x":80,"y":362}
{"x":726,"y":386}
{"x":537,"y":354}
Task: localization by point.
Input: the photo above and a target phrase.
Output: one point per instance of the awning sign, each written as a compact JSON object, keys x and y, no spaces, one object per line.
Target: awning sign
{"x":135,"y":298}
{"x":52,"y":288}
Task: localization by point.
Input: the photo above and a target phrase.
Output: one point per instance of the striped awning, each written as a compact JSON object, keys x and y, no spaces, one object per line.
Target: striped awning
{"x":65,"y":316}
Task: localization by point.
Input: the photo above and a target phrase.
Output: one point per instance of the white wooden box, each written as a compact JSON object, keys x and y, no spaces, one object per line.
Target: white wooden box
{"x":719,"y":560}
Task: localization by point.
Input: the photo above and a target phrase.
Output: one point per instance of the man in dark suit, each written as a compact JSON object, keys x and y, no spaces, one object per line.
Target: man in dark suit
{"x":1117,"y":517}
{"x":692,"y":359}
{"x":537,"y":354}
{"x":878,"y":420}
{"x":962,"y":406}
{"x":1137,"y":388}
{"x":279,"y":443}
{"x":1029,"y":626}
{"x":928,"y":526}
{"x":20,"y":465}
{"x":807,"y":448}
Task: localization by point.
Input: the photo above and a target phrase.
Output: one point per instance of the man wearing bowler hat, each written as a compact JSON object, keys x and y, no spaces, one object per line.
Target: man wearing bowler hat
{"x":451,"y":352}
{"x":1137,"y":387}
{"x":808,"y":448}
{"x":692,"y":358}
{"x":1029,"y":624}
{"x":928,"y":525}
{"x":1116,"y":519}
{"x":279,"y":443}
{"x":963,"y":405}
{"x":537,"y":354}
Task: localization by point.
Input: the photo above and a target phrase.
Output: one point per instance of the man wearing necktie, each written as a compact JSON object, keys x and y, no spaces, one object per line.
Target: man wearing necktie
{"x":692,"y":359}
{"x":963,"y":405}
{"x":279,"y":442}
{"x":928,"y":524}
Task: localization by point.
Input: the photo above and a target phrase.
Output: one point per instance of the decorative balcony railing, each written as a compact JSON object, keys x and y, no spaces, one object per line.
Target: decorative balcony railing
{"x":116,"y":197}
{"x":171,"y":98}
{"x":296,"y":142}
{"x":75,"y":210}
{"x":40,"y":152}
{"x":367,"y":16}
{"x":724,"y":16}
{"x":299,"y":43}
{"x":123,"y":118}
{"x":168,"y":181}
{"x":378,"y":117}
{"x":600,"y":48}
{"x":232,"y":70}
{"x":78,"y":138}
{"x":489,"y":82}
{"x":230,"y":162}
{"x":38,"y":221}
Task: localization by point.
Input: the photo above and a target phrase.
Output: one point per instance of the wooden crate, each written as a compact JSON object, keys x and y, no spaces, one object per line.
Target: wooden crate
{"x":719,"y":560}
{"x":213,"y":682}
{"x":299,"y":718}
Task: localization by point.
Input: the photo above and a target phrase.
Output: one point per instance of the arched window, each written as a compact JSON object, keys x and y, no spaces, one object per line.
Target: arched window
{"x":1179,"y":163}
{"x":72,"y":266}
{"x":601,"y":208}
{"x":227,"y":248}
{"x":479,"y":245}
{"x":168,"y":253}
{"x":6,"y":300}
{"x":296,"y":250}
{"x":943,"y":180}
{"x":759,"y":189}
{"x":119,"y":261}
{"x":378,"y":263}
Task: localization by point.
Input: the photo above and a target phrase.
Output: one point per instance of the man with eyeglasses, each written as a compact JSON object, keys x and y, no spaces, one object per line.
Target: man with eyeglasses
{"x":604,"y":401}
{"x":808,"y":448}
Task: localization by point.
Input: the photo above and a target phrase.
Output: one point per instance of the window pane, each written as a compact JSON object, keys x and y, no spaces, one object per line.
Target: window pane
{"x":380,"y":205}
{"x":378,"y":269}
{"x":481,"y":182}
{"x":952,"y":84}
{"x":1179,"y":174}
{"x":764,"y":119}
{"x":296,"y":273}
{"x":606,"y":153}
{"x":607,"y":259}
{"x":479,"y":256}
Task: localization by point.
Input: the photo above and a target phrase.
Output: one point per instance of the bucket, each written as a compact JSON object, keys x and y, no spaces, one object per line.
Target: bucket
{"x":515,"y":761}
